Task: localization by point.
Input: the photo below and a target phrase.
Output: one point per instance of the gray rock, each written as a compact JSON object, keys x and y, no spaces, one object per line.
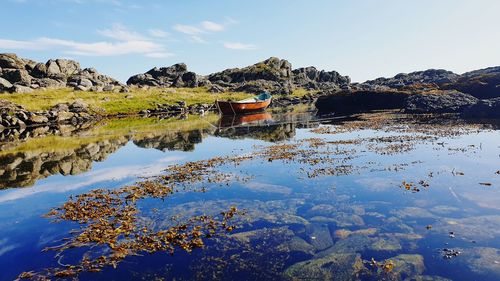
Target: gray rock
{"x":108,"y":88}
{"x":38,"y":119}
{"x":78,"y":106}
{"x":85,"y":83}
{"x":68,"y":67}
{"x":439,"y":102}
{"x":21,"y":89}
{"x":39,"y":71}
{"x":49,"y":83}
{"x":5,"y":85}
{"x":81,"y":88}
{"x":483,"y":109}
{"x":19,"y":76}
{"x":216,"y":89}
{"x":52,"y":68}
{"x":420,"y":79}
{"x":175,"y":75}
{"x":11,"y":61}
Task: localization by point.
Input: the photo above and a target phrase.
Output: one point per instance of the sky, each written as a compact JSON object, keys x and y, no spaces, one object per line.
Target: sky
{"x":364,"y":39}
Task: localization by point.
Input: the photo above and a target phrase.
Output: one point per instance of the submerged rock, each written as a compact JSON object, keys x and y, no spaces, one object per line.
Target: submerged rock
{"x":336,"y":266}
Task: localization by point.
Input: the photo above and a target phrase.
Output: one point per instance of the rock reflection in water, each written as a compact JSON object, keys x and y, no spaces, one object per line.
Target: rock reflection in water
{"x":24,"y":168}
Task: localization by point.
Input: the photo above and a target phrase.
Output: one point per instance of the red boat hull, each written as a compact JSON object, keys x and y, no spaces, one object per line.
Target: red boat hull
{"x":231,"y":108}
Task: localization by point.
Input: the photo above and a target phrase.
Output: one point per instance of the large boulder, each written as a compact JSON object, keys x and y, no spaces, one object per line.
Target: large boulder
{"x":19,"y":76}
{"x":483,"y":109}
{"x":311,"y":78}
{"x":176,"y":75}
{"x":439,"y":102}
{"x":11,"y":61}
{"x":5,"y":85}
{"x":273,"y":69}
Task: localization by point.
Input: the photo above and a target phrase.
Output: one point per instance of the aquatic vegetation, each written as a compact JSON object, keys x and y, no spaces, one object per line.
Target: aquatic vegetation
{"x":109,"y":219}
{"x":320,"y":222}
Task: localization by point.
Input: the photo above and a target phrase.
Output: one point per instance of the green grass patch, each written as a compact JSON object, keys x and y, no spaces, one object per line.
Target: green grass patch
{"x":110,"y":103}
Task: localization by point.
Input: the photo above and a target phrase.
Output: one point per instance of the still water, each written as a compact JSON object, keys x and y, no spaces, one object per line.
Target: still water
{"x":370,"y":197}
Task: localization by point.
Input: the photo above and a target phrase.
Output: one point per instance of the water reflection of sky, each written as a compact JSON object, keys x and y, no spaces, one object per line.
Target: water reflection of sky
{"x":280,"y":195}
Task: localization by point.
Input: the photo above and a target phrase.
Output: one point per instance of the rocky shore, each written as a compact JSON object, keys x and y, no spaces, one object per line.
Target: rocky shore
{"x":473,"y":94}
{"x":17,"y":117}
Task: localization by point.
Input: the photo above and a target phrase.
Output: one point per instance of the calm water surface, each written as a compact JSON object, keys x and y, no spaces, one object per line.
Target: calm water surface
{"x":324,"y":219}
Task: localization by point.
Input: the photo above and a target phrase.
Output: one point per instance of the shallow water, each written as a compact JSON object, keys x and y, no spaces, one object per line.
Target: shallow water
{"x":322,"y":208}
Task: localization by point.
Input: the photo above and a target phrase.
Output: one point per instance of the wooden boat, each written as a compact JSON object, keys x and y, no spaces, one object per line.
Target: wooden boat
{"x":257,"y":103}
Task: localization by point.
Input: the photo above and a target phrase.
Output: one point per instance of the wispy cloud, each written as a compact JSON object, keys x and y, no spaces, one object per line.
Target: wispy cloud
{"x":123,"y":42}
{"x":158,"y":33}
{"x":188,"y":29}
{"x":196,"y":31}
{"x":212,"y":26}
{"x":239,"y":46}
{"x":121,"y":33}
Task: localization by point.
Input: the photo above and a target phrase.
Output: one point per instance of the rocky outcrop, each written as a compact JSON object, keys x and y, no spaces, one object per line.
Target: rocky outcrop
{"x":439,"y":102}
{"x":17,"y":117}
{"x":489,"y":108}
{"x":311,"y":78}
{"x":483,"y":83}
{"x":273,"y":75}
{"x":428,"y":79}
{"x":23,"y":75}
{"x":176,"y":75}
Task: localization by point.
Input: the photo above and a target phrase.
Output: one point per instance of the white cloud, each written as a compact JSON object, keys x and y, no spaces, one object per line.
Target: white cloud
{"x":125,"y":42}
{"x":204,"y":27}
{"x":158,"y":33}
{"x":92,"y":178}
{"x":212,"y":26}
{"x":121,"y":33}
{"x":188,"y":29}
{"x":239,"y":46}
{"x":198,"y":39}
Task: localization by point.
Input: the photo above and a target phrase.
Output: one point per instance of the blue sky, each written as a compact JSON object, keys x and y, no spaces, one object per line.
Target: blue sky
{"x":364,"y":39}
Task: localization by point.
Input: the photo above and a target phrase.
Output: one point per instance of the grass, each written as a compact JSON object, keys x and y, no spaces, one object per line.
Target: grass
{"x":110,"y":103}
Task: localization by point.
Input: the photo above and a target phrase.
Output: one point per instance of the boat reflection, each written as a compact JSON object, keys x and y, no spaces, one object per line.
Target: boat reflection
{"x":259,"y":119}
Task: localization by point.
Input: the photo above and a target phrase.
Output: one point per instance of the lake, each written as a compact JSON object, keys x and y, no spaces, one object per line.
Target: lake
{"x":282,"y":195}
